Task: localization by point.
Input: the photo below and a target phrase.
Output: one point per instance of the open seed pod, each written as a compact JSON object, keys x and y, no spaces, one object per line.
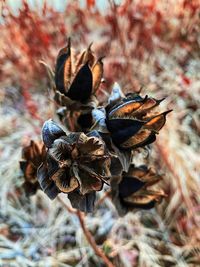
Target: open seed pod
{"x":76,"y":162}
{"x":133,"y":121}
{"x":77,"y":78}
{"x":136,"y":190}
{"x":32,"y":156}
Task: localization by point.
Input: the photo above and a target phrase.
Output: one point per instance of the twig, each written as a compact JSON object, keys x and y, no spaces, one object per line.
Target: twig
{"x":92,"y":242}
{"x":98,"y":251}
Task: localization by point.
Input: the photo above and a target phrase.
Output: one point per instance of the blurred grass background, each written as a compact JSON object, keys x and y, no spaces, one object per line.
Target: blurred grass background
{"x":151,"y":44}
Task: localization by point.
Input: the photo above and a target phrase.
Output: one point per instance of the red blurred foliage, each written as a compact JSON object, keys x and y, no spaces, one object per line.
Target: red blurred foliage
{"x":123,"y":32}
{"x":29,"y":37}
{"x":186,"y":81}
{"x":31,"y":105}
{"x":90,"y":3}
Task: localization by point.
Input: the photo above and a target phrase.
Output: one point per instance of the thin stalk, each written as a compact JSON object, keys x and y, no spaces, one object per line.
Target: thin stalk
{"x":98,"y":251}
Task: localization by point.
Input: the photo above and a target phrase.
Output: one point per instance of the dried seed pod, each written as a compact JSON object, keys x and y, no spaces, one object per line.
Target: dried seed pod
{"x":77,"y":78}
{"x":50,"y":132}
{"x":75,"y":162}
{"x":133,"y":190}
{"x":132,"y":121}
{"x":78,"y":82}
{"x":32,"y":156}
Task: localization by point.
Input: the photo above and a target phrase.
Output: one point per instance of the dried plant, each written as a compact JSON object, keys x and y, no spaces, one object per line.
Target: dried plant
{"x":134,"y":189}
{"x":78,"y":164}
{"x":153,"y":44}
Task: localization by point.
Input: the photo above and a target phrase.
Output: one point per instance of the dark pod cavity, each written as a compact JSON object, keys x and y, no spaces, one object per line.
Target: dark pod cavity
{"x":81,"y":87}
{"x":129,"y":185}
{"x":123,"y":129}
{"x":23,"y":165}
{"x":146,"y":206}
{"x":85,"y":121}
{"x":50,"y":132}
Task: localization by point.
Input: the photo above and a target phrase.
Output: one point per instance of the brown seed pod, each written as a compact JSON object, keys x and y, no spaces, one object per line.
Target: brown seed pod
{"x":75,"y":162}
{"x":32,"y":156}
{"x":135,"y":189}
{"x":133,"y":122}
{"x":77,"y":80}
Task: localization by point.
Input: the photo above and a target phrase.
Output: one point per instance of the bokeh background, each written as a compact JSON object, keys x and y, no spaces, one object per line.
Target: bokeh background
{"x":153,"y":44}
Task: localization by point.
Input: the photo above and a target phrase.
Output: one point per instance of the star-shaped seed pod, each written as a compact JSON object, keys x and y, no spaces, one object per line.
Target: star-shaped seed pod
{"x":136,"y":189}
{"x":76,"y":162}
{"x":133,"y":121}
{"x":32,"y":156}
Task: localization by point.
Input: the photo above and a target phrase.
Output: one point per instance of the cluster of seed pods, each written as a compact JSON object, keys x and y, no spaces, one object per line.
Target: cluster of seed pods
{"x":93,"y":144}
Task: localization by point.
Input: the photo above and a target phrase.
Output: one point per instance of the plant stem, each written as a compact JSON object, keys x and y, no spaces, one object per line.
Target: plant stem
{"x":92,"y":242}
{"x":98,"y":251}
